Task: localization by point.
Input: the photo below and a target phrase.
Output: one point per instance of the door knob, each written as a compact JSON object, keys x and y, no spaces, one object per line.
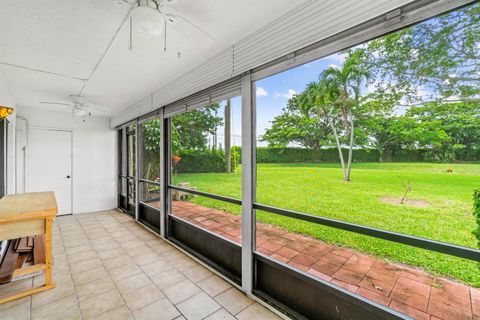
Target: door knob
{"x":68,"y":177}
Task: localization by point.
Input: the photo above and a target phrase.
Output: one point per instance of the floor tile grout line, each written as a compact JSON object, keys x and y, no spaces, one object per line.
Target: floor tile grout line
{"x":216,"y":310}
{"x":186,"y":278}
{"x":70,"y":270}
{"x":235,"y":315}
{"x":89,"y":240}
{"x":115,"y":285}
{"x":166,"y":297}
{"x":161,"y":290}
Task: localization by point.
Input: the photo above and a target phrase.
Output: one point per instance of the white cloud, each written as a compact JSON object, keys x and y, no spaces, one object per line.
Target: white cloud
{"x":287,"y":94}
{"x":290,"y":93}
{"x":261,"y":92}
{"x":334,"y":66}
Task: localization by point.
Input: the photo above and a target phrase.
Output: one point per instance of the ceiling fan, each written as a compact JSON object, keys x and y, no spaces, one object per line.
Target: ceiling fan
{"x":80,"y":106}
{"x":149,"y":17}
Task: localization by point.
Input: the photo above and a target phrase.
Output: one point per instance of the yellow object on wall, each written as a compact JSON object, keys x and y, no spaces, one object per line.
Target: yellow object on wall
{"x":5,"y":112}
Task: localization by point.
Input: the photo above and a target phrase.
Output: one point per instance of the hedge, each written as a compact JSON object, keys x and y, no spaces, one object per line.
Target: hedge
{"x":204,"y":161}
{"x":299,"y":155}
{"x":214,"y":160}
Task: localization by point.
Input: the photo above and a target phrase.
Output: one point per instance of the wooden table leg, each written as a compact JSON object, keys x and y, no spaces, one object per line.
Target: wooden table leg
{"x":48,"y":251}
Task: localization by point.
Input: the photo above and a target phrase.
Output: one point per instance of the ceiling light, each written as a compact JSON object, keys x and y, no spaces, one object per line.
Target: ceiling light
{"x":77,"y":111}
{"x":147,"y":19}
{"x":5,"y":112}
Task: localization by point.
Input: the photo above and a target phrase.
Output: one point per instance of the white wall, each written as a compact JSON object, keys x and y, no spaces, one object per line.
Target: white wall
{"x":94,"y":157}
{"x":6,"y":99}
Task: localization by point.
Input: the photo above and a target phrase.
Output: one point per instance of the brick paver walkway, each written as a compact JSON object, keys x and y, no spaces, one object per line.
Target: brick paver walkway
{"x":408,"y":290}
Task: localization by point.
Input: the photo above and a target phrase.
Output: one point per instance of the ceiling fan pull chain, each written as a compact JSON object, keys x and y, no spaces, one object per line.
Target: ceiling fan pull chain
{"x":131,"y":44}
{"x":165,"y":34}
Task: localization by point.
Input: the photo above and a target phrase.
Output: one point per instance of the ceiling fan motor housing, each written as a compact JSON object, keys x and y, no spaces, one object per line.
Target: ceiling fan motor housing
{"x":147,"y":18}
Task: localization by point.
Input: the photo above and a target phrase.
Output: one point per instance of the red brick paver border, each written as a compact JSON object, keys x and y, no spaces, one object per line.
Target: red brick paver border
{"x":405,"y":289}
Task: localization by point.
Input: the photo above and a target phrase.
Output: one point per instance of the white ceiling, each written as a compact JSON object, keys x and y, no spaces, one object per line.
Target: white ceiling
{"x":51,"y":49}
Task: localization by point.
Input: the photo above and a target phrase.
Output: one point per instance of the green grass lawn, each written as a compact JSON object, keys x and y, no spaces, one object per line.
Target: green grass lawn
{"x":319,"y":189}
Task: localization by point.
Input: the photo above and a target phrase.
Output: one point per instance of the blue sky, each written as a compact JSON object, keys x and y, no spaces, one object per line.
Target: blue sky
{"x":273,"y":94}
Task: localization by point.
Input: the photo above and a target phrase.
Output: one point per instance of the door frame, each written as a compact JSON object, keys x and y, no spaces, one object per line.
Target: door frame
{"x":72,"y":176}
{"x":131,"y":158}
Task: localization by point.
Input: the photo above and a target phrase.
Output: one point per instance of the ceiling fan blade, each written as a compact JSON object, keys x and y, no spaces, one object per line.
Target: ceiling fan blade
{"x":165,"y":3}
{"x":96,"y":110}
{"x":57,"y":103}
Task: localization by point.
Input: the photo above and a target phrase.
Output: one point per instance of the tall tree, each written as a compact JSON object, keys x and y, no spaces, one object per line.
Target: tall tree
{"x":228,"y":136}
{"x":338,"y":92}
{"x":385,"y":133}
{"x":459,"y":121}
{"x":297,"y":127}
{"x":318,"y":99}
{"x":191,"y":129}
{"x":434,"y":60}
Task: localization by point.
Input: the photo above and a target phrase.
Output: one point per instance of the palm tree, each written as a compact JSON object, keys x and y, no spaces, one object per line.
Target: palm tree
{"x":338,"y":90}
{"x":318,"y":99}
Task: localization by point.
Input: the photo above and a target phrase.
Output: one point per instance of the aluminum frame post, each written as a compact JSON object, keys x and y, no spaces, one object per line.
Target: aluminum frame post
{"x":163,"y":178}
{"x":248,"y":182}
{"x":137,"y":167}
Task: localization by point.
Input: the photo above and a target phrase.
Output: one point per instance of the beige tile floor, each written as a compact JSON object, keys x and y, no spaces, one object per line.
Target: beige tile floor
{"x":108,"y":267}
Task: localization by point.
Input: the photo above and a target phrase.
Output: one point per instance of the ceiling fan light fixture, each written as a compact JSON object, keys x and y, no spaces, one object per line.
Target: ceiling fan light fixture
{"x":78,"y":112}
{"x":147,"y":19}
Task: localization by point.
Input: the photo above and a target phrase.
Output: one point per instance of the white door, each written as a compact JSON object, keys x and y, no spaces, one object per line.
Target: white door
{"x":48,"y":165}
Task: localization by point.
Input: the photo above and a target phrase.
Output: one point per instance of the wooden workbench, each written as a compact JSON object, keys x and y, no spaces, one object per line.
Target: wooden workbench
{"x":29,"y":214}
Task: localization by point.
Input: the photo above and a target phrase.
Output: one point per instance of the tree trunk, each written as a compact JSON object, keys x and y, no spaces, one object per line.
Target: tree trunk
{"x":340,"y":153}
{"x":228,"y":137}
{"x":350,"y":149}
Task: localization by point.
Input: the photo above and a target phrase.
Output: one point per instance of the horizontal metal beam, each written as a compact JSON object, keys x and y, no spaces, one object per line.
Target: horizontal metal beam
{"x":207,"y":195}
{"x":150,"y":182}
{"x":423,"y":243}
{"x":149,"y":205}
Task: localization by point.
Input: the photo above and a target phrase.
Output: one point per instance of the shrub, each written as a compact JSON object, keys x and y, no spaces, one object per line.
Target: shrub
{"x":194,"y":161}
{"x":476,"y":214}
